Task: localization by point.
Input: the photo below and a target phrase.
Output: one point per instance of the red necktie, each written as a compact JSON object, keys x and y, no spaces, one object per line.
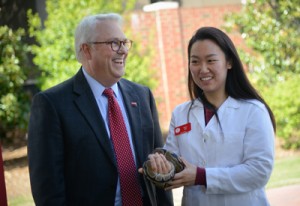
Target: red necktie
{"x":130,"y":188}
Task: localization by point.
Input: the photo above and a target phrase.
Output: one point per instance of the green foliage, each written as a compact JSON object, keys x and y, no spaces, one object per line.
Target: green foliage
{"x":284,"y":100}
{"x":14,"y":102}
{"x":138,"y":64}
{"x":271,"y":28}
{"x":55,"y":53}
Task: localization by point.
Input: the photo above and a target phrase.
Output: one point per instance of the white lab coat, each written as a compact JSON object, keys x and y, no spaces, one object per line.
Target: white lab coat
{"x":238,"y":161}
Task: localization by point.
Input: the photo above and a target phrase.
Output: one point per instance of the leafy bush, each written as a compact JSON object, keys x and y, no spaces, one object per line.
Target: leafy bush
{"x":271,"y":31}
{"x":55,"y":53}
{"x":14,"y":102}
{"x":284,"y":100}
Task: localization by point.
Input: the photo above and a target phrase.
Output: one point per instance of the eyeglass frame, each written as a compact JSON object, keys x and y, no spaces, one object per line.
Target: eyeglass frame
{"x":114,"y":41}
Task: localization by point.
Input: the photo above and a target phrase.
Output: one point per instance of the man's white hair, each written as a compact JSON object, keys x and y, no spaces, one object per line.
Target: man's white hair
{"x":86,"y":29}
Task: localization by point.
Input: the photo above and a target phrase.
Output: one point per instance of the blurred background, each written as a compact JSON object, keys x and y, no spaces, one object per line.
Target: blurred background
{"x":37,"y":52}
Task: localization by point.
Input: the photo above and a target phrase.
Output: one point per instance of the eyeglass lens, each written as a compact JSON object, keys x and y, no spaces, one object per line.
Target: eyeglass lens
{"x":116,"y":45}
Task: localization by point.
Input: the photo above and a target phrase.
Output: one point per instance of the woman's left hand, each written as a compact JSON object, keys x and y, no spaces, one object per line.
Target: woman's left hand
{"x":186,"y":177}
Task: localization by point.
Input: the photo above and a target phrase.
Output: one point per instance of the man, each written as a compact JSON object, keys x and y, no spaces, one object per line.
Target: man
{"x":73,"y":154}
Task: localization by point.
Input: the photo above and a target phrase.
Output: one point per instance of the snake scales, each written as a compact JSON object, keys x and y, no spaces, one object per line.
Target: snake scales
{"x":161,"y":180}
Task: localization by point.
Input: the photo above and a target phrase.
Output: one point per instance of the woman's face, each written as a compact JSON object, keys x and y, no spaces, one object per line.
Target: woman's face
{"x":209,"y":67}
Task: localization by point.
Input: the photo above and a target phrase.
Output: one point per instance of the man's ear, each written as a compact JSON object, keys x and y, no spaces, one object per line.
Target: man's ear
{"x":86,"y":51}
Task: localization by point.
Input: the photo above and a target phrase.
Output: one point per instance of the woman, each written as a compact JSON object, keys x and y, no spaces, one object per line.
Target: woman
{"x":225,"y":134}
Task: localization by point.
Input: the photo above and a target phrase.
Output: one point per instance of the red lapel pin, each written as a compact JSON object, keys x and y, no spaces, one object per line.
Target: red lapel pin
{"x":134,"y":104}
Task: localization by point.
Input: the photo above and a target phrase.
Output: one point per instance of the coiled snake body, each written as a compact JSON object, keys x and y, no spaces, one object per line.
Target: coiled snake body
{"x":160,"y":180}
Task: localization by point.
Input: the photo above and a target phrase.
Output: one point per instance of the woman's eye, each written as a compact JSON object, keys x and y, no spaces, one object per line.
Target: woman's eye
{"x":211,"y":60}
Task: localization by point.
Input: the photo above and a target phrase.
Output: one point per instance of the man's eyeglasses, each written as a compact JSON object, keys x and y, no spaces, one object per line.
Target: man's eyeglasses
{"x":116,"y":44}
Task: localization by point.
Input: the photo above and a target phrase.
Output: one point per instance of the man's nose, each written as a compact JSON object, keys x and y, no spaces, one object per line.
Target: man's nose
{"x":123,"y":49}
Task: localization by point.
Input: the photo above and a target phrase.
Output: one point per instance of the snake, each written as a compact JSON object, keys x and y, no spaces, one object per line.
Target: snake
{"x":161,"y":180}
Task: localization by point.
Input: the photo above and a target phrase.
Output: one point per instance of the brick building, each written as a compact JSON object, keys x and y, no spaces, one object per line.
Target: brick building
{"x":171,"y":25}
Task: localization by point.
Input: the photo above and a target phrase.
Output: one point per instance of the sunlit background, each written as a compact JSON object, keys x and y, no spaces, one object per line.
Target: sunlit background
{"x":37,"y":52}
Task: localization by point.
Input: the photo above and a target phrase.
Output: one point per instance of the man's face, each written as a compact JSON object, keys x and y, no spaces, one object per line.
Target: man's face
{"x":105,"y":65}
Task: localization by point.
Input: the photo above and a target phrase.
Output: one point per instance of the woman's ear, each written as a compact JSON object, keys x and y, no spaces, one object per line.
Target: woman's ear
{"x":229,"y":64}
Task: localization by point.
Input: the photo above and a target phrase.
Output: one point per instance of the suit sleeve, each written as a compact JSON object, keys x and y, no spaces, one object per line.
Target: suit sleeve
{"x":45,"y":153}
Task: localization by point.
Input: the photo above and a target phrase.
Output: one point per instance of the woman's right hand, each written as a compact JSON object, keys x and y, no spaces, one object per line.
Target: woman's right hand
{"x":186,"y":177}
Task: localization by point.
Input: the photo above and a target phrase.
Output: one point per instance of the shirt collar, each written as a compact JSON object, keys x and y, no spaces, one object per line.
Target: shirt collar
{"x":98,"y":88}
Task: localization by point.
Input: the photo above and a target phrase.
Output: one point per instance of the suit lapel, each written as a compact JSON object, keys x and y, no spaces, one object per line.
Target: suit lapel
{"x":132,"y":104}
{"x":87,"y":105}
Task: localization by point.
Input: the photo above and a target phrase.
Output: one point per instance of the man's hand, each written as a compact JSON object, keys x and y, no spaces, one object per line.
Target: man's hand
{"x":161,"y":167}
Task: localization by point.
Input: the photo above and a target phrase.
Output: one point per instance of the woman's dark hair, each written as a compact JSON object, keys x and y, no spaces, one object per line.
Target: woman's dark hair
{"x":237,"y":84}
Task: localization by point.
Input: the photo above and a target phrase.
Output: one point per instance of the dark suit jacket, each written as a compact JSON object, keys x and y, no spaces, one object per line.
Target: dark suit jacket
{"x":71,"y":161}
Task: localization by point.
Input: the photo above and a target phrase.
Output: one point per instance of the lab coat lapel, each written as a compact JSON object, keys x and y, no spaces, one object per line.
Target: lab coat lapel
{"x":224,"y":109}
{"x":197,"y":112}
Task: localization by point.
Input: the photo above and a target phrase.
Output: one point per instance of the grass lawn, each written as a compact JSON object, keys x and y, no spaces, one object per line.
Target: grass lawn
{"x":21,"y":201}
{"x":286,"y":172}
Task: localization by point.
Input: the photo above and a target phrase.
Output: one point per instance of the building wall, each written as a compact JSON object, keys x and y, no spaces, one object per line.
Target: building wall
{"x":168,"y":32}
{"x":197,"y":3}
{"x":189,"y":3}
{"x":171,"y":30}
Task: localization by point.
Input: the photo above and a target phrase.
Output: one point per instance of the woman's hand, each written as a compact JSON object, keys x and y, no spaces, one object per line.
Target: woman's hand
{"x":186,"y":177}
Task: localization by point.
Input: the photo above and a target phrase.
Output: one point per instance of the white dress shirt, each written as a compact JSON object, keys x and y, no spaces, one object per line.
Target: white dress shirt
{"x":102,"y":103}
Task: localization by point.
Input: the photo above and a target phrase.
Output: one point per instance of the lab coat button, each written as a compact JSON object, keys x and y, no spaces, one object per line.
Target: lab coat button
{"x":205,"y":137}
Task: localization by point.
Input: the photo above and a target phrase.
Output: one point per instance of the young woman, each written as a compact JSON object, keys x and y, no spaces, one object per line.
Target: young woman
{"x":225,"y":134}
